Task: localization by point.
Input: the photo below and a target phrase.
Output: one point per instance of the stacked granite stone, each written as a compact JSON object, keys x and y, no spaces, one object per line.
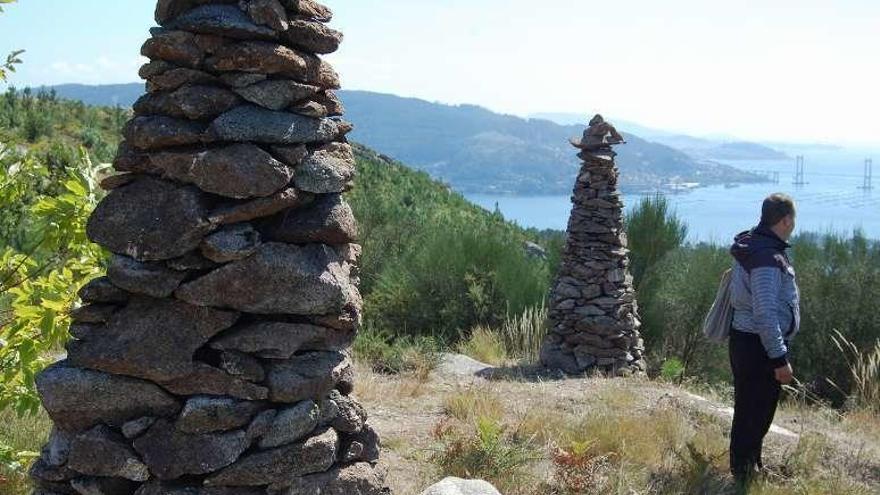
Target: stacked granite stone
{"x":214,"y":357}
{"x":593,"y":311}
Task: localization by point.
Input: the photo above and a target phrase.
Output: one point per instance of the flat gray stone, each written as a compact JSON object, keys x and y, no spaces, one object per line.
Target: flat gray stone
{"x":78,"y":399}
{"x":244,"y":211}
{"x":174,"y":78}
{"x":277,"y":279}
{"x":223,"y":20}
{"x":154,"y":339}
{"x":249,"y":123}
{"x":328,"y":220}
{"x":231,"y":243}
{"x":277,"y":94}
{"x":137,"y":427}
{"x":101,"y":290}
{"x":312,"y":36}
{"x":268,"y":13}
{"x":103,"y":452}
{"x":241,"y":79}
{"x":282,"y":465}
{"x":172,"y":47}
{"x":208,"y":380}
{"x":147,"y":278}
{"x":93,"y":313}
{"x":291,"y":424}
{"x":306,"y":376}
{"x":158,"y":131}
{"x":351,"y":415}
{"x":171,"y":453}
{"x":279,"y":340}
{"x":150,"y":220}
{"x":309,"y":9}
{"x":329,"y":169}
{"x":235,"y":171}
{"x":188,"y":102}
{"x":209,"y":414}
{"x":241,"y":365}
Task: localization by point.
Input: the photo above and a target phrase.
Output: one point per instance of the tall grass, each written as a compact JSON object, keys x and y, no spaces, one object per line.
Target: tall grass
{"x":864,"y":367}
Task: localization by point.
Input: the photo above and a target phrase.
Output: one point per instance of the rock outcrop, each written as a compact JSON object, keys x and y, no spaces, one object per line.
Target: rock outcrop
{"x":214,"y":357}
{"x":593,"y":311}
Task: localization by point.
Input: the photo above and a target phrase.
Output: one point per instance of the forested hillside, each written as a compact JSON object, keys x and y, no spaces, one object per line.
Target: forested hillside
{"x":476,"y":150}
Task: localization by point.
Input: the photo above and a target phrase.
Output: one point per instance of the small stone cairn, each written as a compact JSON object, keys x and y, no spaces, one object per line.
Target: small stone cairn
{"x":214,"y":356}
{"x":593,"y":311}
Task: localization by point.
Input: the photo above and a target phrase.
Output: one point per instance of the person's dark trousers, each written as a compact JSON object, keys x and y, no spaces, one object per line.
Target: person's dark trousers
{"x":756,"y":394}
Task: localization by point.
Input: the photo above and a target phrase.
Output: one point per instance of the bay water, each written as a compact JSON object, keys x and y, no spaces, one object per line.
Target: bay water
{"x":830,"y":201}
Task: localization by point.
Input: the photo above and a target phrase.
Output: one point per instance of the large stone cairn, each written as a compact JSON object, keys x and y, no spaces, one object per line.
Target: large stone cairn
{"x":214,"y":357}
{"x":594,"y":322}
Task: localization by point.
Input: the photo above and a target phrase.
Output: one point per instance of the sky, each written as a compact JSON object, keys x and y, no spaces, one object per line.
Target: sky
{"x":767,"y":70}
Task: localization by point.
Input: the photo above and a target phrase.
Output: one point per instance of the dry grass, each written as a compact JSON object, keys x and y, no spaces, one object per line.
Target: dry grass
{"x":21,"y":436}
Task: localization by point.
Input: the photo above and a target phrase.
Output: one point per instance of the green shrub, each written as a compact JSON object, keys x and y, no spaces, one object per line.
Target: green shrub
{"x":653,"y":230}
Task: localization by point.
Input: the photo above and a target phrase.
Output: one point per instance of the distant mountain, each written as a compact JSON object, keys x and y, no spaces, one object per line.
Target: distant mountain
{"x":108,"y":95}
{"x":703,"y":148}
{"x":476,"y":150}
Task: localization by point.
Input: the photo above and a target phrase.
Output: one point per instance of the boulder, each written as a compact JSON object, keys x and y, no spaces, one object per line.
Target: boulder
{"x":277,"y":94}
{"x":277,"y":279}
{"x":154,"y":339}
{"x":328,"y":169}
{"x":329,"y":220}
{"x":209,"y":414}
{"x":171,"y":453}
{"x":356,"y":479}
{"x":281,"y":466}
{"x":306,"y":376}
{"x":150,"y":219}
{"x":78,"y":399}
{"x":254,"y":124}
{"x":458,"y":486}
{"x":147,"y":278}
{"x":188,"y":102}
{"x":103,"y":452}
{"x":222,"y":20}
{"x":236,"y":171}
{"x":291,"y":424}
{"x":279,"y":340}
{"x":157,"y":131}
{"x":312,"y":36}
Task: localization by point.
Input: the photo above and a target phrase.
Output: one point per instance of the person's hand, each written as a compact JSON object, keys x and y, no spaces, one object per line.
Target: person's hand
{"x":785,"y":374}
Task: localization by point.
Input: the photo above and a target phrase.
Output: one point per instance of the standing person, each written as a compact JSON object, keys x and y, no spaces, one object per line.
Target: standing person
{"x":766,"y":317}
